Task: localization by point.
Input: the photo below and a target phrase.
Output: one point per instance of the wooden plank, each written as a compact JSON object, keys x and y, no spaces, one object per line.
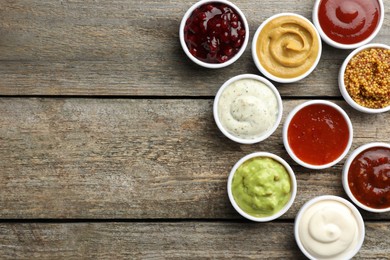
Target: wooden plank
{"x":126,"y":158}
{"x":131,"y":48}
{"x":173,"y":240}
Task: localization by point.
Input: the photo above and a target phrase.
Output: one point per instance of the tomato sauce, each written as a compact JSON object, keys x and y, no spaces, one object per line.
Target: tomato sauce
{"x":369,"y":177}
{"x":348,"y":21}
{"x":318,"y":134}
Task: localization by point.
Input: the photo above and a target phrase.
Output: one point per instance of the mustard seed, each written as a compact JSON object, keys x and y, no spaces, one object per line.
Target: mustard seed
{"x":367,"y":78}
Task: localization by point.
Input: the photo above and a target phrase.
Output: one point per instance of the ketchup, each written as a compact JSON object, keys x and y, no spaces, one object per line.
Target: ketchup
{"x":348,"y":21}
{"x":369,"y":177}
{"x":318,"y":134}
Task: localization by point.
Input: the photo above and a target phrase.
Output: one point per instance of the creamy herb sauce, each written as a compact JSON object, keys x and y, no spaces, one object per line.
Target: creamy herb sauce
{"x":248,"y":108}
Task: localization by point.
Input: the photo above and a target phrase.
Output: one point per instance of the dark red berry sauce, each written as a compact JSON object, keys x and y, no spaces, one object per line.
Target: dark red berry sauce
{"x":214,"y":33}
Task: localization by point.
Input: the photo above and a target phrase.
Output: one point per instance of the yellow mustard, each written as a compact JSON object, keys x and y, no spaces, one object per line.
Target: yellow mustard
{"x":287,"y":46}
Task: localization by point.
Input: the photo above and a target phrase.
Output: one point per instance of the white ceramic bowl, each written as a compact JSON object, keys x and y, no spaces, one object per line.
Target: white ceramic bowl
{"x":343,"y":89}
{"x":355,"y":212}
{"x":260,"y":66}
{"x":341,"y":45}
{"x":292,"y":179}
{"x":265,"y":134}
{"x":347,"y":164}
{"x":288,"y":121}
{"x":213,"y":65}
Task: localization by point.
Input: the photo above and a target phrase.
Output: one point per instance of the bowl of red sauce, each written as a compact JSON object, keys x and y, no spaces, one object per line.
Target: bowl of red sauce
{"x":214,"y":34}
{"x":366,"y":177}
{"x":364,"y":78}
{"x":348,"y":24}
{"x":317,"y":134}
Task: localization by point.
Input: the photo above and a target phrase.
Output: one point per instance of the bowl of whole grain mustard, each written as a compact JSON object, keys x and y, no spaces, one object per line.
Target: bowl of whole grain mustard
{"x":364,"y":78}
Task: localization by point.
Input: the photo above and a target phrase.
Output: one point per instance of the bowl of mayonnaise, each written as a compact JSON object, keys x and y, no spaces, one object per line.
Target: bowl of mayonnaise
{"x":247,"y":108}
{"x":329,"y":227}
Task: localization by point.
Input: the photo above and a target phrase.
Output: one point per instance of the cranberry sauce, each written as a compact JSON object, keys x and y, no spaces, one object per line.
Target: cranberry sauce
{"x":214,"y":33}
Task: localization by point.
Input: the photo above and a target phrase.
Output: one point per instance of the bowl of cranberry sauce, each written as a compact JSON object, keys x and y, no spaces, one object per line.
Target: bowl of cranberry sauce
{"x":317,"y":134}
{"x":214,"y":34}
{"x":348,"y":24}
{"x":366,"y":177}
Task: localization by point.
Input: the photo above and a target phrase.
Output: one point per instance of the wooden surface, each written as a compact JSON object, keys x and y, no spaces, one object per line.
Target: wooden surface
{"x":172,"y":240}
{"x":108,"y":147}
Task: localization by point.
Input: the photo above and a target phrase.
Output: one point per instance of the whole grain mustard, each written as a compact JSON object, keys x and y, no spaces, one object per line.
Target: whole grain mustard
{"x":367,"y":78}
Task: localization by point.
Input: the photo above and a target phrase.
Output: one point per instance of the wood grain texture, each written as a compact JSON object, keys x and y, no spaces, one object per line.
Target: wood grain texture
{"x":172,"y":240}
{"x":138,"y":159}
{"x":145,"y":176}
{"x":131,"y":48}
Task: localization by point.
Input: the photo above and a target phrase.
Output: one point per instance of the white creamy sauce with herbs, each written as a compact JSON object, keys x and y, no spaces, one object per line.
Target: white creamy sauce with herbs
{"x":329,"y":230}
{"x":247,"y":108}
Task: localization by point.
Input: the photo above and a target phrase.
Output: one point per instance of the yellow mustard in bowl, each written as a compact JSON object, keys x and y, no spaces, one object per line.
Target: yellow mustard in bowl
{"x":288,"y":46}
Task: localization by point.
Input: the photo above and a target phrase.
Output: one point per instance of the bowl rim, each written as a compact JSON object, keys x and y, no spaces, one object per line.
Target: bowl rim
{"x":316,"y":199}
{"x":347,"y":164}
{"x":344,"y":46}
{"x":341,"y":82}
{"x":292,"y":180}
{"x":268,"y":74}
{"x":202,"y":63}
{"x":264,"y":135}
{"x":288,"y":121}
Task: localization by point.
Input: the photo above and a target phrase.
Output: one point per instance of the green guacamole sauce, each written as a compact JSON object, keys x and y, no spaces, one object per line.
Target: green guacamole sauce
{"x":261,"y":186}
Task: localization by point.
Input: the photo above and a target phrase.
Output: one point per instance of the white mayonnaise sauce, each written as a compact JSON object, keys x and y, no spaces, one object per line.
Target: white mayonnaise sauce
{"x":329,"y":230}
{"x":247,"y":108}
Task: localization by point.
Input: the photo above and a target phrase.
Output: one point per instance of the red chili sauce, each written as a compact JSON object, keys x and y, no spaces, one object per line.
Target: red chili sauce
{"x":348,"y":21}
{"x":318,"y":134}
{"x":369,"y":177}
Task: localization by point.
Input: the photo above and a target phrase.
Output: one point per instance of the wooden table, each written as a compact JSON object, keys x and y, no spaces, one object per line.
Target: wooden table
{"x":108,"y":147}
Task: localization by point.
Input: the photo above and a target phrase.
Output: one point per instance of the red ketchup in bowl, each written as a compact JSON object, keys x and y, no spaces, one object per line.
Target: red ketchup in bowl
{"x":214,"y":33}
{"x":369,"y":177}
{"x":348,"y":21}
{"x":318,"y":134}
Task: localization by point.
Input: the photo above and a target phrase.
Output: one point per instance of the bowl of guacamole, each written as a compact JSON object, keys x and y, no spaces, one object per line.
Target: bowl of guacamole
{"x":262,"y":186}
